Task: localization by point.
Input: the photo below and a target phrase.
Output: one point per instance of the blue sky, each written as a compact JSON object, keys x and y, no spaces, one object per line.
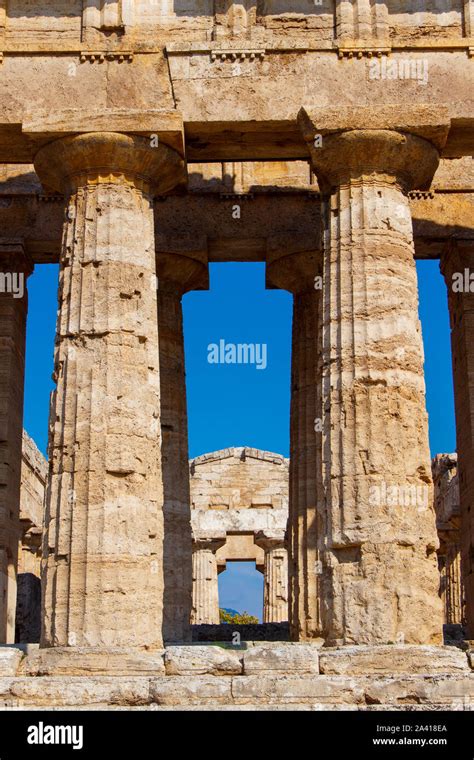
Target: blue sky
{"x":238,"y":405}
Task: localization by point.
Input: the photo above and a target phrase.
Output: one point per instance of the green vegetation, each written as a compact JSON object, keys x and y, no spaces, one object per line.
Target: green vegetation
{"x":238,"y":618}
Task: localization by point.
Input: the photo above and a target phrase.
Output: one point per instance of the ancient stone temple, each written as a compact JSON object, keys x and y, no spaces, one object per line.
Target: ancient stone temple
{"x":140,"y":141}
{"x":239,"y":512}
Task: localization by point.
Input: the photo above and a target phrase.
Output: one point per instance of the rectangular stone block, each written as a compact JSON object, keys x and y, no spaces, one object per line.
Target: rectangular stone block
{"x":192,"y":690}
{"x":74,"y":692}
{"x":10,"y":659}
{"x":392,"y":659}
{"x":282,"y":658}
{"x":274,"y":690}
{"x":450,"y":691}
{"x":202,"y":660}
{"x":78,"y":661}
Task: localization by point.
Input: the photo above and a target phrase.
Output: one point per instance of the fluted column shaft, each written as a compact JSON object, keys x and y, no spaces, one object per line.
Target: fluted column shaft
{"x":103,"y":573}
{"x":205,"y":584}
{"x":454,"y":606}
{"x":297,"y":272}
{"x":304,"y":452}
{"x":177,"y":546}
{"x":377,"y":537}
{"x":275,"y":597}
{"x":457,"y":265}
{"x":177,"y":274}
{"x":14,"y":269}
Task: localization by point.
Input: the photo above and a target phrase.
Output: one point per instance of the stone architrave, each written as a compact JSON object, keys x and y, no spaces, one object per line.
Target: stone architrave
{"x":103,"y":555}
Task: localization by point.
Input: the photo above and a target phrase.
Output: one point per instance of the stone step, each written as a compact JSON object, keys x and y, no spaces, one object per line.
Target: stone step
{"x":276,"y":691}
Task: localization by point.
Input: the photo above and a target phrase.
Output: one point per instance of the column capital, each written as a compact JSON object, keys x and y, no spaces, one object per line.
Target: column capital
{"x":93,"y":158}
{"x":14,"y":257}
{"x":293,"y":270}
{"x":208,"y":543}
{"x":269,"y":541}
{"x":383,"y":154}
{"x":456,"y":255}
{"x":182,"y":272}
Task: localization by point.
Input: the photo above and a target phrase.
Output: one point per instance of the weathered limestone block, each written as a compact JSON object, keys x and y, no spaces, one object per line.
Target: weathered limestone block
{"x":70,"y":691}
{"x":15,"y":267}
{"x":458,"y":259}
{"x":366,"y":660}
{"x":85,"y":661}
{"x":202,"y":660}
{"x":285,"y":658}
{"x":470,"y":657}
{"x":103,"y":547}
{"x":273,"y":689}
{"x":376,"y":525}
{"x":448,"y":691}
{"x":197,"y":690}
{"x":10,"y":659}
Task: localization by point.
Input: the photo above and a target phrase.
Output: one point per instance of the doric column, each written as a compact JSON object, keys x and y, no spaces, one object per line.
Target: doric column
{"x":275,"y":598}
{"x":457,"y":265}
{"x":103,"y":573}
{"x":14,"y":270}
{"x":205,"y":586}
{"x":297,"y":272}
{"x":176,"y":275}
{"x":376,"y":525}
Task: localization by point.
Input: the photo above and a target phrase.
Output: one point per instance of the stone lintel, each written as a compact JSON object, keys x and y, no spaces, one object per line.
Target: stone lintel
{"x":43,"y":126}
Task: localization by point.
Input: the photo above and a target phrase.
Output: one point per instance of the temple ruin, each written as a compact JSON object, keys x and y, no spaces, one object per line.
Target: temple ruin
{"x":139,"y":142}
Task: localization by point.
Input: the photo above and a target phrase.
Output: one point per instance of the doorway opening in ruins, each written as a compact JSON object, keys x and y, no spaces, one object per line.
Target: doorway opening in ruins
{"x":241,"y":589}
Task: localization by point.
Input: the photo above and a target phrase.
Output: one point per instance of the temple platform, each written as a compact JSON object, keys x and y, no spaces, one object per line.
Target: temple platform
{"x":254,"y":676}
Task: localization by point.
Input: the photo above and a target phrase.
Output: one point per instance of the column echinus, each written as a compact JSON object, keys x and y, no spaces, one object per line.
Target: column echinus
{"x":376,"y":525}
{"x":177,"y":273}
{"x":457,"y":265}
{"x":289,"y":268}
{"x":15,"y":267}
{"x":102,"y":555}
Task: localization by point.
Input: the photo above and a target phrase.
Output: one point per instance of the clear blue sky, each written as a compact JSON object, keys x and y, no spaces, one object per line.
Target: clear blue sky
{"x":238,"y":405}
